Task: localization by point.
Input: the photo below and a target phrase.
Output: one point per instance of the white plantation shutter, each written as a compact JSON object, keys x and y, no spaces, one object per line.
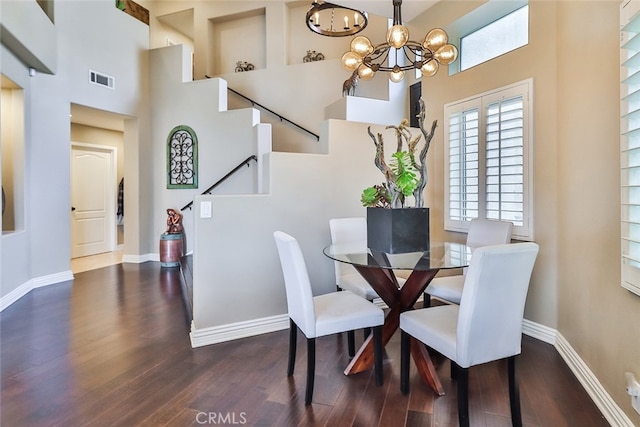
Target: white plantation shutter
{"x":505,"y":161}
{"x":488,"y":160}
{"x":630,"y":146}
{"x":463,"y":165}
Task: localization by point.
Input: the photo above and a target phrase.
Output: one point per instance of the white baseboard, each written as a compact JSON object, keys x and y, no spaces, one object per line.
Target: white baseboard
{"x":609,"y":408}
{"x":139,"y":259}
{"x":15,"y":295}
{"x":36,"y":282}
{"x":52,"y":279}
{"x":234,"y":331}
{"x":539,"y":332}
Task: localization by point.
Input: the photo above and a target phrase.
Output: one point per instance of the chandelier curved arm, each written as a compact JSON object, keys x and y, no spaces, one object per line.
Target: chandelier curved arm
{"x":426,"y":56}
{"x":377,"y":59}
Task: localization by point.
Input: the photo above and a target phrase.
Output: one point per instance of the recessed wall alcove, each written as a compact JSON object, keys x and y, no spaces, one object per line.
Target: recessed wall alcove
{"x":238,"y":37}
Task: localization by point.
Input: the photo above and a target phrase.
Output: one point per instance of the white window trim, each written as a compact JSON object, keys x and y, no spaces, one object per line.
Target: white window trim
{"x":629,"y":124}
{"x":525,"y":88}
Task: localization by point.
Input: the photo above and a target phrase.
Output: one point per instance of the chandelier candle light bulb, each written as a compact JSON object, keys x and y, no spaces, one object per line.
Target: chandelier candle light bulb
{"x":332,"y":20}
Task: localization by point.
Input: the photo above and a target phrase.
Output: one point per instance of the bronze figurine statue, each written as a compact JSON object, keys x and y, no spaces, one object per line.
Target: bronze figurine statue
{"x":174,"y":222}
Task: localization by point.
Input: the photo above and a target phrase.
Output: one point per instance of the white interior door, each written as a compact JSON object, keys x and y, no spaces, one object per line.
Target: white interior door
{"x":92,"y":200}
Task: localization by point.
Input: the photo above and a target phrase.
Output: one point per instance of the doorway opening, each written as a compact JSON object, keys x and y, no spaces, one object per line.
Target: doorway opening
{"x":96,"y":188}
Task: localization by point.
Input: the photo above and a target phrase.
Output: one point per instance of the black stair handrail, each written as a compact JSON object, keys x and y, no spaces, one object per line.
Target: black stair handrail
{"x":221,"y":180}
{"x":282,"y":118}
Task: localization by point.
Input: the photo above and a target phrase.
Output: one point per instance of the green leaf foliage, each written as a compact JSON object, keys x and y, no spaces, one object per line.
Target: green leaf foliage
{"x":376,"y":196}
{"x":406,"y":174}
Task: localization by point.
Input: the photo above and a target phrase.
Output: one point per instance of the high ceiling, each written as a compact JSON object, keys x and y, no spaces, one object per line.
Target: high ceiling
{"x":184,"y":19}
{"x":410,"y":8}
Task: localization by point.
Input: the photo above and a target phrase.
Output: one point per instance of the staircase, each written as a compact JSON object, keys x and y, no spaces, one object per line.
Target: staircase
{"x":186,"y":276}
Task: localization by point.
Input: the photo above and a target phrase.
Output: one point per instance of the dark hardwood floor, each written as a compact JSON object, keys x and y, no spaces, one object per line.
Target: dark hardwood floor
{"x":112,"y":348}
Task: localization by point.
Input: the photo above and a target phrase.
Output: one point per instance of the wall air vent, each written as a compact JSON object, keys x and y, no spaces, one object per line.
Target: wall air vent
{"x":101,"y":79}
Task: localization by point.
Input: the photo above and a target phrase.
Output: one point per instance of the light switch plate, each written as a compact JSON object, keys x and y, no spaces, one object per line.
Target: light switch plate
{"x":206,"y":210}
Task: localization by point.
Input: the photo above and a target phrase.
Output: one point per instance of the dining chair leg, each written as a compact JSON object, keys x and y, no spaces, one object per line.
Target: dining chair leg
{"x":426,"y":300}
{"x":463,"y":396}
{"x":311,"y":369}
{"x":514,"y":393}
{"x":454,"y":370}
{"x":351,"y":343}
{"x":377,"y":354}
{"x":293,"y":335}
{"x":405,"y":349}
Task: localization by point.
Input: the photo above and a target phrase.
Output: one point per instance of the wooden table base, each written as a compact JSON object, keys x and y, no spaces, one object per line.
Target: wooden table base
{"x":398,"y":300}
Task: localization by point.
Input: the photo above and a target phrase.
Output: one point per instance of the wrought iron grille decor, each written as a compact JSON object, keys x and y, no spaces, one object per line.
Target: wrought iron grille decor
{"x":182,"y":158}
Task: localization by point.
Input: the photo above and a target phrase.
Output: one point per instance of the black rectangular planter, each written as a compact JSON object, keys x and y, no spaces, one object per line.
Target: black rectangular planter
{"x":398,"y":230}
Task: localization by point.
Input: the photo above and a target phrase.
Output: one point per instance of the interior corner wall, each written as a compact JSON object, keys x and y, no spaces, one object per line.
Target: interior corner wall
{"x":15,"y":266}
{"x":575,"y":288}
{"x":325,"y":186}
{"x":596,"y":315}
{"x":225,"y":138}
{"x":42,"y":250}
{"x":226,"y":52}
{"x":286,"y":79}
{"x":536,"y":60}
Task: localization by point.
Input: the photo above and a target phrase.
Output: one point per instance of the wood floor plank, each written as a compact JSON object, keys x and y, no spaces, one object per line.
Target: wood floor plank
{"x":111,"y":348}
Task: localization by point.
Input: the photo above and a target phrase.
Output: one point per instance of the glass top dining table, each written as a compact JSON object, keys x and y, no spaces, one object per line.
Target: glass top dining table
{"x":377,"y":268}
{"x":439,"y":256}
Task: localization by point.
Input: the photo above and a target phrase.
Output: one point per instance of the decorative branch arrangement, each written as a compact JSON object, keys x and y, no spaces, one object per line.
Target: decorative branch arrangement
{"x":404,"y":176}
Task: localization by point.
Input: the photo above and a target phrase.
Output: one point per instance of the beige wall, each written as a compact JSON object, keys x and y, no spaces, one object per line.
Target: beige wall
{"x":596,"y":315}
{"x":573,"y":58}
{"x":537,"y":60}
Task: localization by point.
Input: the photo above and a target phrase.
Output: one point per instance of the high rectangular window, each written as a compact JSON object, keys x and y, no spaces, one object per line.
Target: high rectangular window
{"x":494,"y":39}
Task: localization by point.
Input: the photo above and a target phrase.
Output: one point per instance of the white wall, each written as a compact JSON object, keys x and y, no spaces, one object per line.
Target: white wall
{"x":225,"y":138}
{"x":14,"y":247}
{"x":283,"y":80}
{"x":85,"y":40}
{"x":37,"y":49}
{"x":235,"y":258}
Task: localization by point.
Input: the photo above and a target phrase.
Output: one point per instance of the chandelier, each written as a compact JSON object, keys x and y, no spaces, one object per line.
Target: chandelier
{"x":328,"y":19}
{"x":366,"y":59}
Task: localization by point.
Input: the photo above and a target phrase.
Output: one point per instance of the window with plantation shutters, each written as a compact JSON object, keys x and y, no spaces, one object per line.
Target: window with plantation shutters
{"x":630,"y":145}
{"x":488,"y":159}
{"x":463,"y":165}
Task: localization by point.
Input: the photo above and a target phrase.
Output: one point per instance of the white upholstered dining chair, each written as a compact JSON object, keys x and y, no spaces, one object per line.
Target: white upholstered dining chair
{"x":321,"y":315}
{"x":486,"y":326}
{"x":351,"y":230}
{"x":482,"y":232}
